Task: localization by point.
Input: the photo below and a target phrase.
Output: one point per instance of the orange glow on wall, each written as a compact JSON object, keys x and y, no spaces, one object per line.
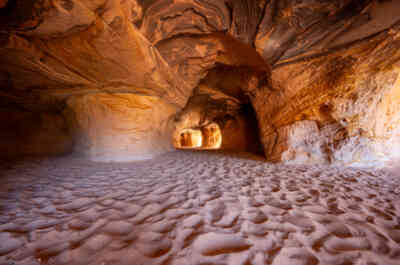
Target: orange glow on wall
{"x":189,"y":138}
{"x":207,"y":137}
{"x":212,"y":136}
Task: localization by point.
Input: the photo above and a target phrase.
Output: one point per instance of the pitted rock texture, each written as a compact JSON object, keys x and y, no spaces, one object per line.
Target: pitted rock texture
{"x":196,"y":208}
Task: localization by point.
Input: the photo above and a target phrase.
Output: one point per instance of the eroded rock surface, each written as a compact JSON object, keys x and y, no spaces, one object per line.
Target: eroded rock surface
{"x":67,"y":49}
{"x":321,"y":76}
{"x":342,"y":107}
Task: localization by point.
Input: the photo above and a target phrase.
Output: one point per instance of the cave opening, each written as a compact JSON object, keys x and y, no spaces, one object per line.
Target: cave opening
{"x":208,"y":137}
{"x":189,"y":138}
{"x":219,"y":114}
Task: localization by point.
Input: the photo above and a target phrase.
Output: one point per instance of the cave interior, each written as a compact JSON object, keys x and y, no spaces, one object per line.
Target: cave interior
{"x":275,"y":109}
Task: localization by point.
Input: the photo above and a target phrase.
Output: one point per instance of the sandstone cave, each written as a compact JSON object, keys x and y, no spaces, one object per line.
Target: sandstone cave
{"x":201,"y":132}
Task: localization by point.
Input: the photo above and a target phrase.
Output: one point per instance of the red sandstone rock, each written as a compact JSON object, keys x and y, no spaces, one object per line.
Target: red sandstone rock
{"x":311,"y":69}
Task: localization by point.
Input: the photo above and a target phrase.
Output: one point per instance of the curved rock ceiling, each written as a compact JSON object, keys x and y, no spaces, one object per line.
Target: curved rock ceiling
{"x":113,"y":77}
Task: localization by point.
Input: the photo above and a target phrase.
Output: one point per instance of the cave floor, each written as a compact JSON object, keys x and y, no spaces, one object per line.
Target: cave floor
{"x":189,"y":208}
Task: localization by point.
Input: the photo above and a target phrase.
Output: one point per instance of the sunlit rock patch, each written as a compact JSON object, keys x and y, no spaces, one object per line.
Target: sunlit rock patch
{"x":189,"y":138}
{"x":212,"y":136}
{"x":208,"y":137}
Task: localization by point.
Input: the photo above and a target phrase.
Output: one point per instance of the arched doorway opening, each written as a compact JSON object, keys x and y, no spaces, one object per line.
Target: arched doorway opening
{"x":212,"y":136}
{"x":189,"y":139}
{"x":208,"y":137}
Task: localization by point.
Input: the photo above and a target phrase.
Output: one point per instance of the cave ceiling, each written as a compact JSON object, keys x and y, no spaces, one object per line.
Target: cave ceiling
{"x":60,"y":56}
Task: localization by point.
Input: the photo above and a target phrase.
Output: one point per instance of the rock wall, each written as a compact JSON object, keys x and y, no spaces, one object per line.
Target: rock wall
{"x":25,"y":133}
{"x":326,"y":70}
{"x":308,"y":89}
{"x":121,"y":127}
{"x":291,"y":30}
{"x":281,"y":31}
{"x":338,"y":108}
{"x":75,"y":51}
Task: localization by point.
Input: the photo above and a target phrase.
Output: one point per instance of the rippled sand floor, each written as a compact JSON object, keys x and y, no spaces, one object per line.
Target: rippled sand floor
{"x":192,"y":208}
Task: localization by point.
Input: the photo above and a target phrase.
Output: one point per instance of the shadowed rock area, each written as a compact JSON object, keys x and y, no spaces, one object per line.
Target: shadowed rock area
{"x":291,"y":108}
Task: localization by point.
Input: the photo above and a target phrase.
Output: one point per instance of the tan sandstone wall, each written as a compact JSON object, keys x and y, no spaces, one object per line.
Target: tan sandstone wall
{"x":121,"y":127}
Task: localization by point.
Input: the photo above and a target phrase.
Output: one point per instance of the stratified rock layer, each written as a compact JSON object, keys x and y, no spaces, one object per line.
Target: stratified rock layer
{"x":339,"y":107}
{"x":70,"y":49}
{"x":320,"y":75}
{"x":304,"y":106}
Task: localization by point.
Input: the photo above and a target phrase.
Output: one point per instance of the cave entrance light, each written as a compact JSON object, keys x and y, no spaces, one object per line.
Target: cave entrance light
{"x":212,"y":136}
{"x":208,"y":137}
{"x":190,"y":138}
